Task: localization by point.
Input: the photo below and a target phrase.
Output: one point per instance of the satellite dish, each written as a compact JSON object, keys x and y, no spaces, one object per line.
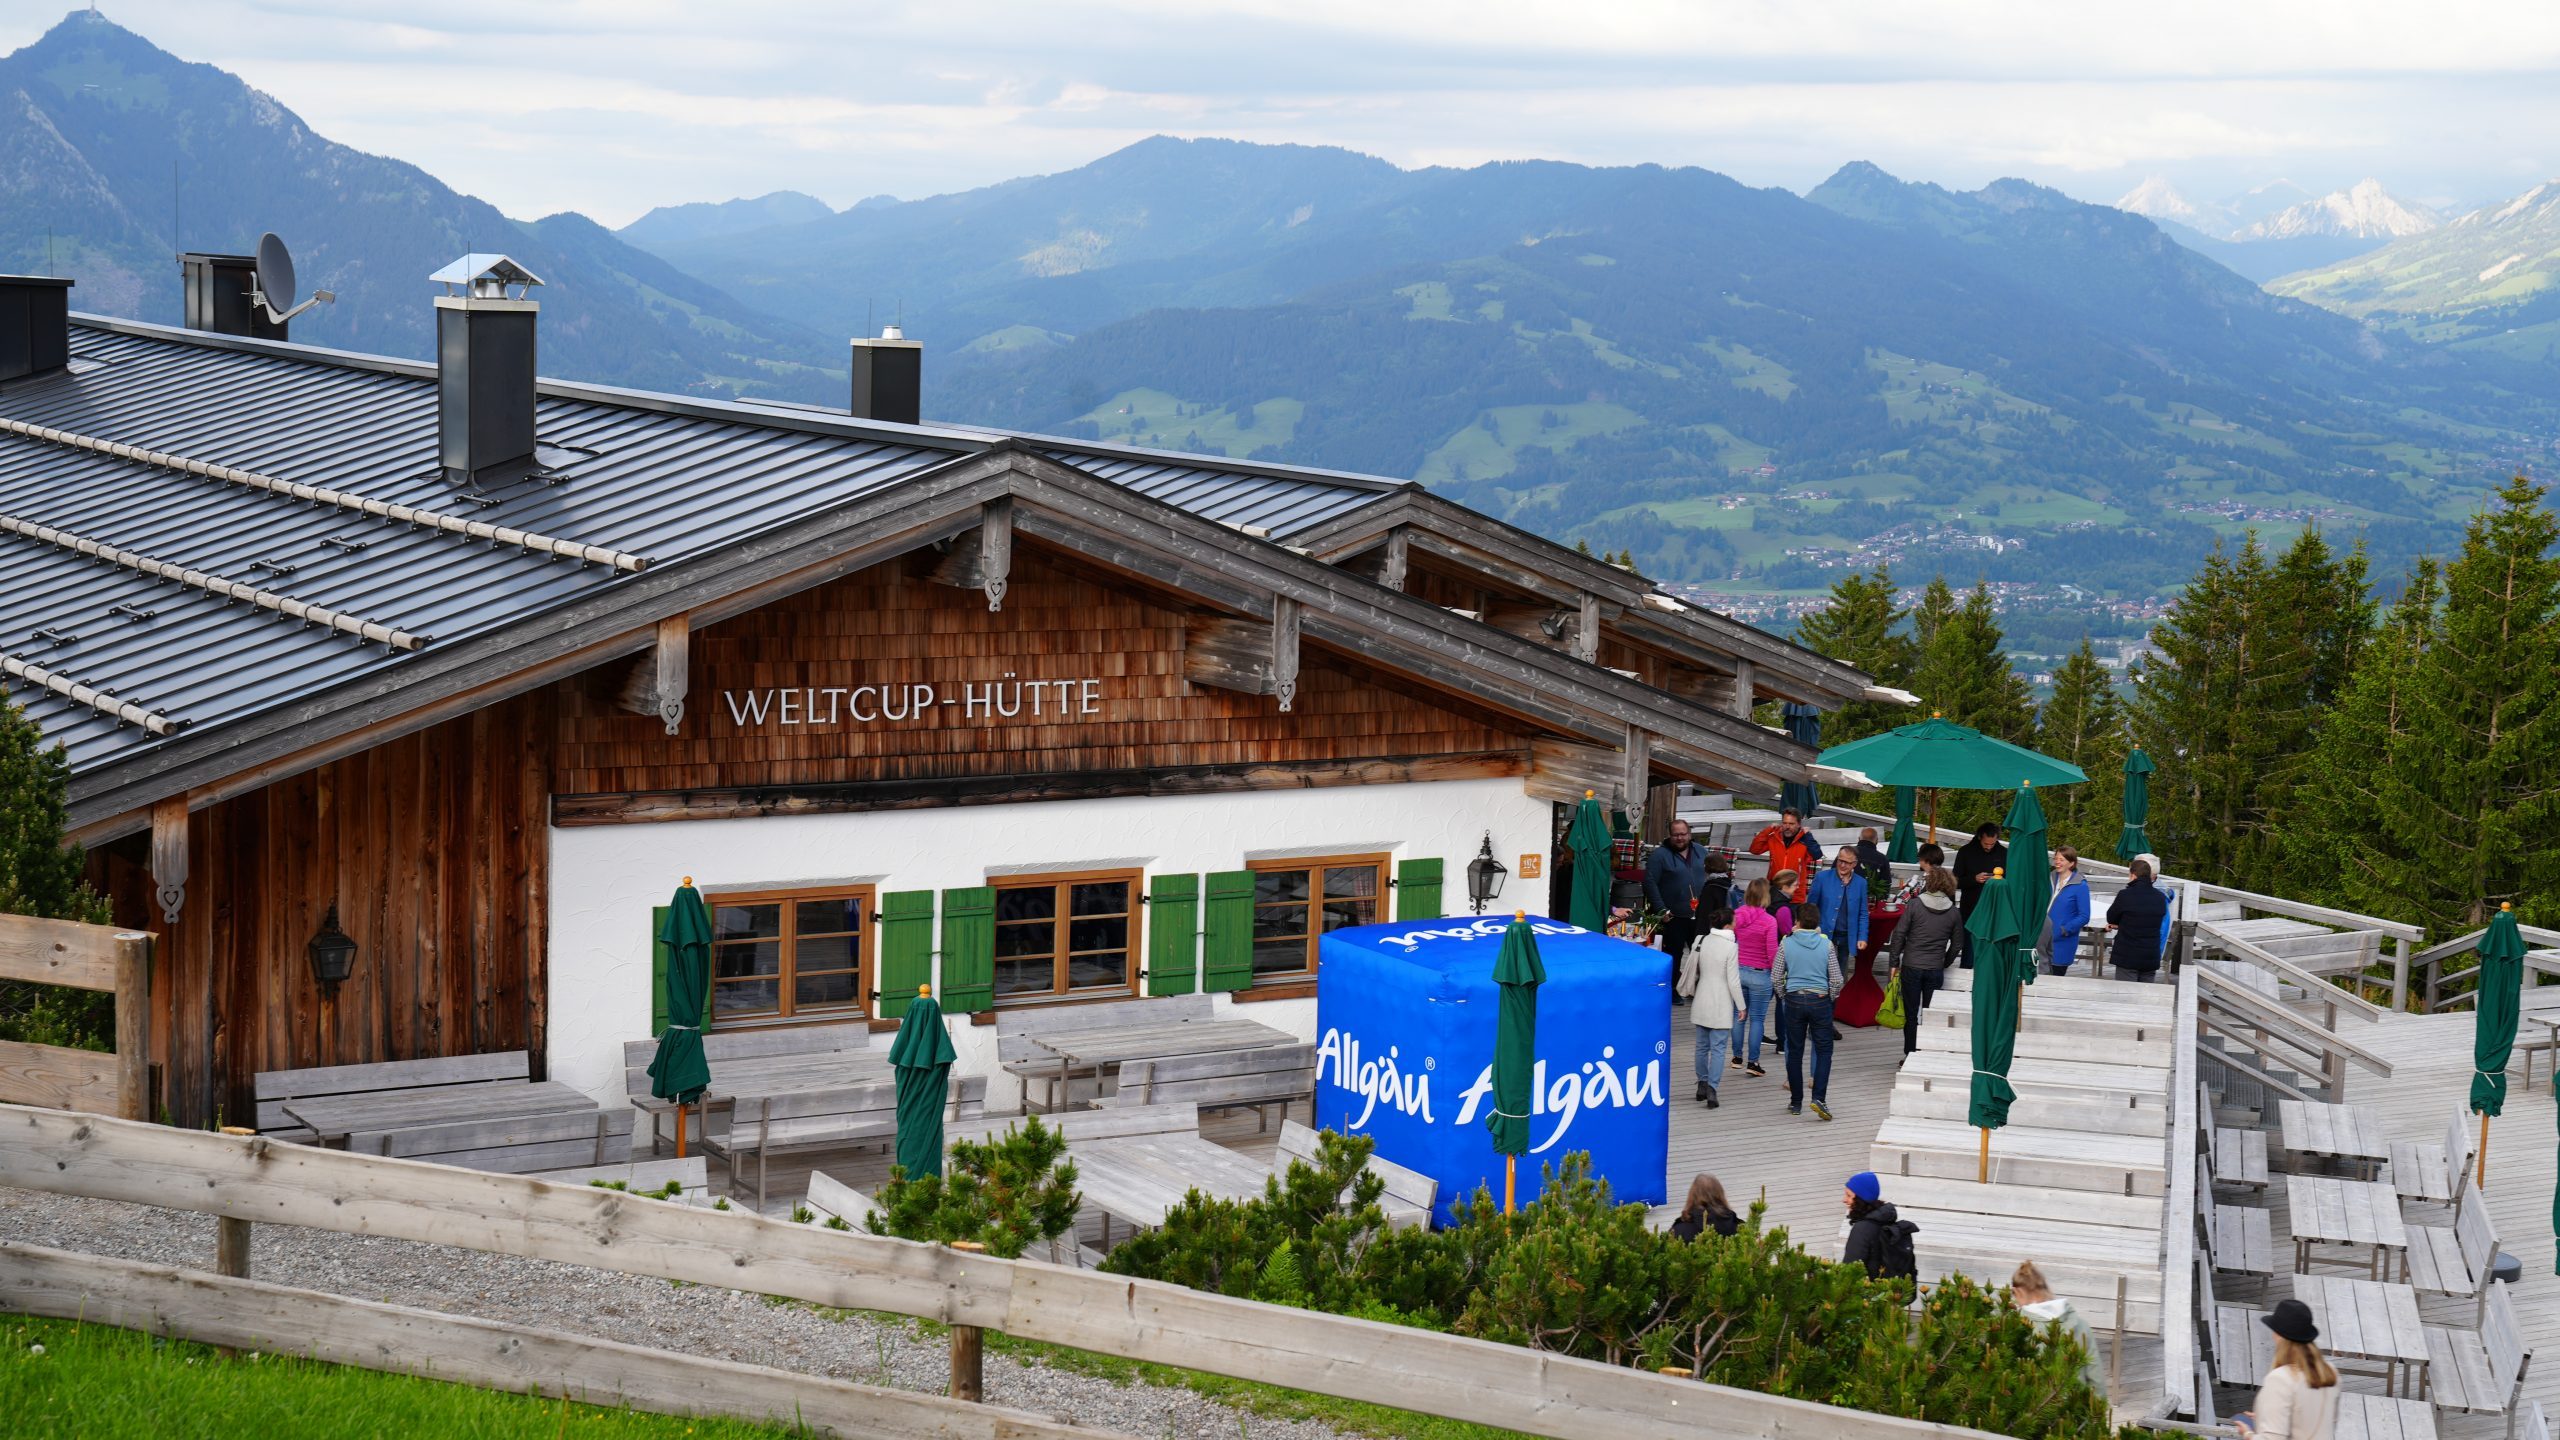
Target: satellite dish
{"x":275,"y":282}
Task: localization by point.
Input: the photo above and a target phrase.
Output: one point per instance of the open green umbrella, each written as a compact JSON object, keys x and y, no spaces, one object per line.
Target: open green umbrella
{"x":2137,"y":806}
{"x":1519,"y":972}
{"x":678,"y":1072}
{"x":1905,"y":846}
{"x":2500,"y":995}
{"x":1588,"y":904}
{"x":1995,"y":1013}
{"x":1937,"y":754}
{"x":2030,"y":875}
{"x":921,"y":1058}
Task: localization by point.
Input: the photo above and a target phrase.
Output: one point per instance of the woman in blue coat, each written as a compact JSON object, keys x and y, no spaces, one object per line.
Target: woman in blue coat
{"x":2069,"y":914}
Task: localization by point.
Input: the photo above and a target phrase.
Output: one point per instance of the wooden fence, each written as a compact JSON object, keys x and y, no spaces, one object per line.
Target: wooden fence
{"x":80,"y":957}
{"x":255,"y":1180}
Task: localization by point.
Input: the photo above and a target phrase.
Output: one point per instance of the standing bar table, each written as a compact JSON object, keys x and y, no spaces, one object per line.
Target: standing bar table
{"x":2327,"y":1210}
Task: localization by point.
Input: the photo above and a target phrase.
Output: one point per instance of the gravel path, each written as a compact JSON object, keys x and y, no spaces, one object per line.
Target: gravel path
{"x":699,"y":1320}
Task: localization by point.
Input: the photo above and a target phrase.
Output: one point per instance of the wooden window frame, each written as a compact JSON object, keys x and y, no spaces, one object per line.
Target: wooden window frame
{"x":1381,"y":861}
{"x":1059,"y":882}
{"x":866,"y":957}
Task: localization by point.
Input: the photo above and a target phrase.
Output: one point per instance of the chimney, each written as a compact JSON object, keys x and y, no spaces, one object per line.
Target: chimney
{"x":484,"y":365}
{"x":35,"y":325}
{"x":218,"y":291}
{"x":888,"y":378}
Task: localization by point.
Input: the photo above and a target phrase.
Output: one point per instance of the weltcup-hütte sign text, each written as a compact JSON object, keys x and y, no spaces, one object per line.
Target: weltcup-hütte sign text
{"x":904,"y":702}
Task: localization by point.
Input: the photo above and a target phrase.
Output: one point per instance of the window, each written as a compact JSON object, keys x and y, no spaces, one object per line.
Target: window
{"x":1296,"y":901}
{"x":1066,"y":935}
{"x":788,"y":953}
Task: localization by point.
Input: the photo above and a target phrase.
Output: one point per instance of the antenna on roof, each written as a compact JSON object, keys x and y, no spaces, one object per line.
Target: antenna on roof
{"x":272,"y":284}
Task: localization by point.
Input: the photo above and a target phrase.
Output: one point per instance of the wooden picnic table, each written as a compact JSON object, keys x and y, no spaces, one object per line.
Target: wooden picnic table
{"x":2370,"y":1320}
{"x":1118,"y":1044}
{"x":1140,"y":1177}
{"x":2353,"y":1133}
{"x":333,"y":1118}
{"x":764,"y":1075}
{"x":2329,"y":1210}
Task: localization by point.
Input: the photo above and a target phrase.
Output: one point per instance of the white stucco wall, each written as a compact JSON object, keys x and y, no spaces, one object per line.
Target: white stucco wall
{"x":605,"y":879}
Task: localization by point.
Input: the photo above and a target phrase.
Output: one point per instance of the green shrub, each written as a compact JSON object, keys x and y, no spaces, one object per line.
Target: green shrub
{"x":1006,"y":1195}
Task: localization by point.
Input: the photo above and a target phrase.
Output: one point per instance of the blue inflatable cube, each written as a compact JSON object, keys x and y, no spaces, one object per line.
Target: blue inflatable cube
{"x":1405,"y":1017}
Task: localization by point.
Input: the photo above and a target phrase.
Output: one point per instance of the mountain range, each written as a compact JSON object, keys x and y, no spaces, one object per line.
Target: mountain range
{"x":2279,"y":228}
{"x":2489,"y":281}
{"x":1744,"y":387}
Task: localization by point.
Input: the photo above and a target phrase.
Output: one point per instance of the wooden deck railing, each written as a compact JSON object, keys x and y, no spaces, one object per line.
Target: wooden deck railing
{"x":80,"y":957}
{"x":251,"y":1179}
{"x":2178,"y":1222}
{"x":2450,"y":966}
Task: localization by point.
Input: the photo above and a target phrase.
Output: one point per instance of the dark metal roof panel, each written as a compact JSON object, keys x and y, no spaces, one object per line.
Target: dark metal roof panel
{"x":1272,"y":504}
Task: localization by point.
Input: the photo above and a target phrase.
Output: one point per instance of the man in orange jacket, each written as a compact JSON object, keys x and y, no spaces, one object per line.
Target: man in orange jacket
{"x":1789,"y":846}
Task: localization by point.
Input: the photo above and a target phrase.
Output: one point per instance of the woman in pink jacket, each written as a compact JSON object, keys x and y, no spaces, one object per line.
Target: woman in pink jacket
{"x":1755,"y":937}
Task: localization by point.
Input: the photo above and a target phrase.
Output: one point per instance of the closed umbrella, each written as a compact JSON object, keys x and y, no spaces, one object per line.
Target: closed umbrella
{"x":1804,"y":726}
{"x":921,"y":1058}
{"x":1995,"y":1013}
{"x":678,"y":1072}
{"x":1519,"y":972}
{"x":1588,"y":905}
{"x":2030,"y":875}
{"x":2137,"y":806}
{"x":1906,"y":842}
{"x":2493,"y":1022}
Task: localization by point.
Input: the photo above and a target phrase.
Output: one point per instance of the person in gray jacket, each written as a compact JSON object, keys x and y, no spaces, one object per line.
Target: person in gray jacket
{"x":1923,"y":946}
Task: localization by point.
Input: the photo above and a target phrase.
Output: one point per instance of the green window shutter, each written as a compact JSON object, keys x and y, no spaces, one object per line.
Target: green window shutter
{"x":1228,"y":953}
{"x":657,"y":971}
{"x":968,"y":949}
{"x":1173,"y":935}
{"x":906,"y":951}
{"x":1418,"y":890}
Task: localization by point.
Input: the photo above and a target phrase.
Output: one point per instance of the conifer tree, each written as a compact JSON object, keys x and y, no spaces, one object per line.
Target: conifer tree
{"x":1964,"y":675}
{"x":2478,"y":771}
{"x":2200,"y":713}
{"x":1862,"y":627}
{"x":2340,"y":842}
{"x":1937,"y":605}
{"x":2084,"y":723}
{"x":39,"y":874}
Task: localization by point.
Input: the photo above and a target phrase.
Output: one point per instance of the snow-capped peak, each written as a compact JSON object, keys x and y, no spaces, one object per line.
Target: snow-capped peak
{"x":2365,"y":212}
{"x":2160,"y":200}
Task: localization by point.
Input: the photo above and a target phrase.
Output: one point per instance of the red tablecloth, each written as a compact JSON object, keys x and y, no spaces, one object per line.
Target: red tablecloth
{"x":1862,"y":993}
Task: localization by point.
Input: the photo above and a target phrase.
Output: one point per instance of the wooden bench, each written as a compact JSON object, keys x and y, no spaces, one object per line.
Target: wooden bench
{"x":2360,"y":1416}
{"x":2239,"y":1239}
{"x":1223,"y":1080}
{"x":274,"y":1087}
{"x":2055,"y":1159}
{"x":1023,"y":1057}
{"x":2480,"y":1372}
{"x":2454,"y":1261}
{"x":2433,"y":1174}
{"x":2242,"y":1349}
{"x":692,"y":1173}
{"x":2234,"y":1157}
{"x":802,"y":1057}
{"x":762,"y":1126}
{"x":1409,"y":1195}
{"x":512,"y":1145}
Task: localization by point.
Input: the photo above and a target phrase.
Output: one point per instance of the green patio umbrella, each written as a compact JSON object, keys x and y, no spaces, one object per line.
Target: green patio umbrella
{"x":2030,"y":875}
{"x":2137,"y":806}
{"x":921,"y":1058}
{"x":678,"y":1072}
{"x":2493,"y":1021}
{"x":1995,"y":1013}
{"x":1519,"y":972}
{"x":1905,"y":846}
{"x":1938,"y":754}
{"x":1588,"y":904}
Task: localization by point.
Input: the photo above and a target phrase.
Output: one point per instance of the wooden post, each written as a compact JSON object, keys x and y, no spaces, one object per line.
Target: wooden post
{"x":2399,"y":972}
{"x":680,"y":1109}
{"x":2115,"y":1362}
{"x":231,"y":1236}
{"x":133,"y":1026}
{"x":1510,"y":1180}
{"x":968,"y":1348}
{"x":1982,"y":1165}
{"x":2483,"y":1178}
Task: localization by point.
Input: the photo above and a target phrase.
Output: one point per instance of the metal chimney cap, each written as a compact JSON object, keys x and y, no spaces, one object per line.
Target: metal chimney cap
{"x":484,"y":275}
{"x":893,"y":332}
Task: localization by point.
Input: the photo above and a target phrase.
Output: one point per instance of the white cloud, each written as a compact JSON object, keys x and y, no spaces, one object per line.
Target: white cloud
{"x":610,"y":108}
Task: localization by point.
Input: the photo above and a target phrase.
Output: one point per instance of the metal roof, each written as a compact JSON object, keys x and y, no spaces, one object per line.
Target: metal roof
{"x":89,"y":587}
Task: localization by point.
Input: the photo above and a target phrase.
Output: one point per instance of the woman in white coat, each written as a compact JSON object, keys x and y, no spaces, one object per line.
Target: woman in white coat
{"x":1711,"y":981}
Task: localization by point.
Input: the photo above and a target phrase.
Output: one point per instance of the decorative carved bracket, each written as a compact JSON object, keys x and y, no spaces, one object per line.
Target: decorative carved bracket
{"x":982,"y":559}
{"x":1391,"y":571}
{"x":673,"y":656}
{"x":1284,"y":652}
{"x":169,"y":856}
{"x":1636,"y":780}
{"x":1586,"y":630}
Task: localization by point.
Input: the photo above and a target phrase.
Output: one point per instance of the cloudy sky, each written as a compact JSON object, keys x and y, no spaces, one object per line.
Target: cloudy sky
{"x":613,"y":106}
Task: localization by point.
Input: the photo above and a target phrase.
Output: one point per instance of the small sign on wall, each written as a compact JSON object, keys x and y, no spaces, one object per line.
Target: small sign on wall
{"x":1531,"y":866}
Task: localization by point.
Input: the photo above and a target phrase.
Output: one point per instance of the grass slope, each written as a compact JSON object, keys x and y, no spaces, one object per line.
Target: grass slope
{"x":58,"y":1377}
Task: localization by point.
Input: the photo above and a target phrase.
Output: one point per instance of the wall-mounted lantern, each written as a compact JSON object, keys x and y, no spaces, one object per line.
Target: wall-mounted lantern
{"x":333,"y":952}
{"x":1485,"y":876}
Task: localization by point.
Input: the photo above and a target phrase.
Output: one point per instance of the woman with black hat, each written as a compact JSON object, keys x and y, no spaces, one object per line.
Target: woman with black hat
{"x":2299,"y":1398}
